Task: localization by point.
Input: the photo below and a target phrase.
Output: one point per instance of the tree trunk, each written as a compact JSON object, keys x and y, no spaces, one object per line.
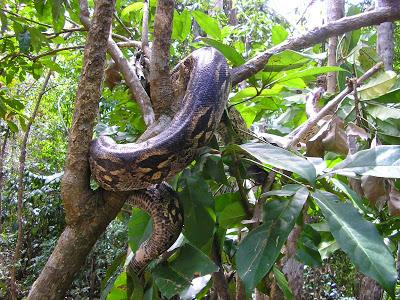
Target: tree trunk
{"x":369,"y":289}
{"x":87,"y":213}
{"x":334,"y":11}
{"x":384,"y":43}
{"x":21,"y":171}
{"x":2,"y":154}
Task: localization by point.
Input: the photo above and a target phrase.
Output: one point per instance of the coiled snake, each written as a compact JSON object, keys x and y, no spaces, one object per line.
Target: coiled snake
{"x":142,"y":167}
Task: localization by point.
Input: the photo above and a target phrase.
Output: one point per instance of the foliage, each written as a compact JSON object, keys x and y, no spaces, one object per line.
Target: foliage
{"x":228,"y":181}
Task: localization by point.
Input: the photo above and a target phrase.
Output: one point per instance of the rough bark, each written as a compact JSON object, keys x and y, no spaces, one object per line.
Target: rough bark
{"x":334,"y":11}
{"x":131,"y":79}
{"x":369,"y":290}
{"x":2,"y":157}
{"x":87,"y":213}
{"x":384,"y":43}
{"x":20,"y":192}
{"x":219,"y":282}
{"x":315,"y":36}
{"x":160,"y":84}
{"x":292,"y":268}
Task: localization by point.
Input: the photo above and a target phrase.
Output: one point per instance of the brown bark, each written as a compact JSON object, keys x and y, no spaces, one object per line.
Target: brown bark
{"x":160,"y":84}
{"x":20,"y":192}
{"x":87,"y":213}
{"x":145,"y":29}
{"x":384,"y":43}
{"x":2,"y":157}
{"x":131,"y":79}
{"x":369,"y":289}
{"x":315,"y":36}
{"x":335,"y":11}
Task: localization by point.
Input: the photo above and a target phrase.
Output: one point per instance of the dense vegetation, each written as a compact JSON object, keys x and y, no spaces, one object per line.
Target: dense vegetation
{"x":244,"y":196}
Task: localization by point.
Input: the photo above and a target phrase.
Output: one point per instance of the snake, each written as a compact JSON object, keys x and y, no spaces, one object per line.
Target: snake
{"x":201,"y":87}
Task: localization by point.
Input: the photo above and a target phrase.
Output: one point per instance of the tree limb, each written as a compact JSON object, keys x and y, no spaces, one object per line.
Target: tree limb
{"x":145,"y":29}
{"x":160,"y":84}
{"x":315,"y":36}
{"x":87,"y":213}
{"x":330,"y":107}
{"x":132,"y":81}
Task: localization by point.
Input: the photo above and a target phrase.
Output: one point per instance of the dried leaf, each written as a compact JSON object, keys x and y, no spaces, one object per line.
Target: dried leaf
{"x":375,"y":190}
{"x":354,"y":130}
{"x":336,"y":139}
{"x":394,"y":202}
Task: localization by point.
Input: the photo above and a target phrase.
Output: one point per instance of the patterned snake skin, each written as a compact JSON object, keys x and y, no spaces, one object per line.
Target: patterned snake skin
{"x":142,"y":167}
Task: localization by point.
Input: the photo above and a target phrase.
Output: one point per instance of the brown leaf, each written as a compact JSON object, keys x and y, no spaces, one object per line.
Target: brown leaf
{"x":354,"y":130}
{"x":394,"y":202}
{"x":375,"y":190}
{"x":336,"y":139}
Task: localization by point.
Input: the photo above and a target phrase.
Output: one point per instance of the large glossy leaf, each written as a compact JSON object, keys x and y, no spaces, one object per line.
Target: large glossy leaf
{"x":378,"y":86}
{"x":198,"y":205}
{"x":229,"y":209}
{"x":229,"y":52}
{"x":281,"y":158}
{"x":381,"y":161}
{"x":359,"y":239}
{"x":182,"y":24}
{"x":191,"y":261}
{"x":259,"y":250}
{"x":134,"y":7}
{"x":169,"y":281}
{"x":140,"y":227}
{"x":208,"y":24}
{"x":383,"y":112}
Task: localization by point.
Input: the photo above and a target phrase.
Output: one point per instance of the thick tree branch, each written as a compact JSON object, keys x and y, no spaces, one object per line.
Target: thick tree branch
{"x":160,"y":84}
{"x":330,"y":107}
{"x":87,"y":213}
{"x":145,"y":29}
{"x":132,"y":81}
{"x":315,"y":36}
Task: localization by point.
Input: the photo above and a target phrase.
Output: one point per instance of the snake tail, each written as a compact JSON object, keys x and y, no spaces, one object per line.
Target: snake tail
{"x":160,"y":201}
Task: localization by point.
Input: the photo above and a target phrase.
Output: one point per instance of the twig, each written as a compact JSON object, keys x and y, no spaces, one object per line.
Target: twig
{"x":145,"y":29}
{"x":132,"y":81}
{"x":123,"y":25}
{"x":331,"y":106}
{"x":315,"y":36}
{"x":160,"y":84}
{"x":25,"y":18}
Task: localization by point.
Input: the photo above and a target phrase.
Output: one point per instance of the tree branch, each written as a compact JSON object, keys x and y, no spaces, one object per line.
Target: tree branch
{"x":132,"y":81}
{"x":315,"y":36}
{"x":87,"y":213}
{"x":330,"y":107}
{"x":160,"y":84}
{"x":145,"y":29}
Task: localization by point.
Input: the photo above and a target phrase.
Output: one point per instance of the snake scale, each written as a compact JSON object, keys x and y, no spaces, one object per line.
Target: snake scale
{"x":142,"y":168}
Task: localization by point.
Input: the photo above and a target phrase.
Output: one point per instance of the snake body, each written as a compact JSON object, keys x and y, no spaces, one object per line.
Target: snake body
{"x":142,"y":167}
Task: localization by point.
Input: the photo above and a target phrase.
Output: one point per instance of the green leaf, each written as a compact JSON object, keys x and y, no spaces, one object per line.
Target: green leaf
{"x":182,"y":24}
{"x":198,"y":207}
{"x":359,"y":239}
{"x":58,"y":11}
{"x":118,"y":291}
{"x":24,"y":41}
{"x":134,"y":7}
{"x":288,"y":60}
{"x":383,"y":112}
{"x":352,"y":195}
{"x":259,"y":250}
{"x":207,"y":24}
{"x":168,"y":281}
{"x":229,"y":209}
{"x":229,"y":52}
{"x":286,"y":191}
{"x":282,"y":283}
{"x":281,"y":158}
{"x":279,"y":34}
{"x":12,"y":126}
{"x":309,"y":72}
{"x":192,"y":262}
{"x":381,"y":161}
{"x":378,"y":86}
{"x":140,"y":227}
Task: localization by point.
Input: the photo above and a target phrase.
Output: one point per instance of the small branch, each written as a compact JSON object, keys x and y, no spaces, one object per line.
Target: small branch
{"x":24,"y":18}
{"x":220,"y":283}
{"x":315,"y":36}
{"x":123,"y":25}
{"x":160,"y":84}
{"x":2,"y":157}
{"x":145,"y":29}
{"x":130,"y":44}
{"x":331,"y":106}
{"x":20,"y":193}
{"x":132,"y":81}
